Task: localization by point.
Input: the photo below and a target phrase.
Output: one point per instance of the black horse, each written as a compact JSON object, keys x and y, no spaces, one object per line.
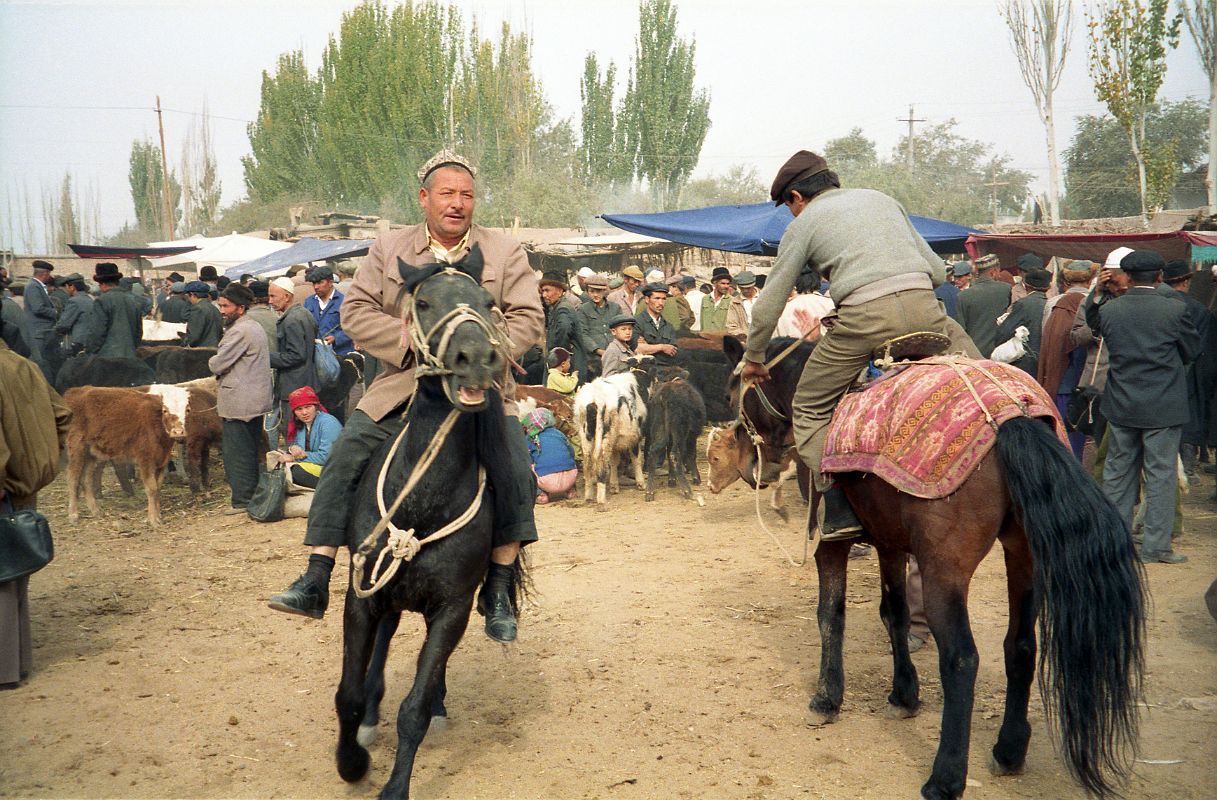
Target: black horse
{"x":457,"y":369}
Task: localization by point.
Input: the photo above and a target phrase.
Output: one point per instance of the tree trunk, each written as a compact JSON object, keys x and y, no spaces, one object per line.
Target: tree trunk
{"x":1210,"y":181}
{"x":1054,"y":165}
{"x":1141,"y":182}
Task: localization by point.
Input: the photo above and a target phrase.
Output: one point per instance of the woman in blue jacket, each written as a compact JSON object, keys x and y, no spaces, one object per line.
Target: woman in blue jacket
{"x":311,"y":432}
{"x":553,"y":459}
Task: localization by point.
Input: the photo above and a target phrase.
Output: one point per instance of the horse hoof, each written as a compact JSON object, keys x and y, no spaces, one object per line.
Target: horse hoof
{"x":353,"y":762}
{"x":894,"y":711}
{"x":818,"y":719}
{"x":671,"y":483}
{"x":997,"y":769}
{"x":366,"y":735}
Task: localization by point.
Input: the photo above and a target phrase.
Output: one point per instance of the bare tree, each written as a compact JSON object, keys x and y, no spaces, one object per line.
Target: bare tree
{"x":1201,"y":19}
{"x":1040,"y":32}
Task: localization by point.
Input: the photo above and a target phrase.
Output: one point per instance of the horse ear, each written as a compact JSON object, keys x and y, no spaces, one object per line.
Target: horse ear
{"x":473,"y":263}
{"x":733,"y":350}
{"x":406,"y":271}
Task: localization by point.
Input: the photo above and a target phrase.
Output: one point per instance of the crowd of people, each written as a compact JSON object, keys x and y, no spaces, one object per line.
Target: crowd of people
{"x":1127,"y":332}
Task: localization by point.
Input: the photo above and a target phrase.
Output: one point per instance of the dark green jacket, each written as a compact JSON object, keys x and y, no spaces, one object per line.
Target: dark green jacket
{"x":978,"y":308}
{"x":1028,"y":312}
{"x":175,"y":309}
{"x":115,"y":325}
{"x":204,"y":325}
{"x":663,"y":334}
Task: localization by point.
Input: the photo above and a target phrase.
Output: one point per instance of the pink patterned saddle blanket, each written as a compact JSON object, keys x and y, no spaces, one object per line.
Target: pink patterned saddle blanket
{"x":920,"y":427}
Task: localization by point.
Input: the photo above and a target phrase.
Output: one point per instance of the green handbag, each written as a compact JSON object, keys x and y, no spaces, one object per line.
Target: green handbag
{"x":269,"y":498}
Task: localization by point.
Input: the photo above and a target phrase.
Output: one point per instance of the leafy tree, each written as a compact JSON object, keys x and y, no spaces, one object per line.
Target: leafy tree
{"x":951,"y":180}
{"x":1040,"y":31}
{"x":1128,"y":44}
{"x":1101,"y":175}
{"x":739,"y":185}
{"x":145,"y":178}
{"x":283,"y":138}
{"x":602,"y":157}
{"x":1201,"y":22}
{"x":67,"y":228}
{"x":668,"y":118}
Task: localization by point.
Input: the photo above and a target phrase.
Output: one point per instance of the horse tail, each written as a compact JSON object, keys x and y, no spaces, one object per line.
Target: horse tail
{"x":1088,"y":584}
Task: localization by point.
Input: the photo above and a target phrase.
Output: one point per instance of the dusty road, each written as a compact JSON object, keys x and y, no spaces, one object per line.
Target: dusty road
{"x":670,"y":653}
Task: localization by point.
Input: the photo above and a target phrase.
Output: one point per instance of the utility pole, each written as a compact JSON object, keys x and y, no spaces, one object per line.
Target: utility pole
{"x":908,"y":158}
{"x":993,"y":184}
{"x":166,"y":205}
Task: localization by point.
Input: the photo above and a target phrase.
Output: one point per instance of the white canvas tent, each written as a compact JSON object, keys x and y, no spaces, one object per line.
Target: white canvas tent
{"x":221,"y":252}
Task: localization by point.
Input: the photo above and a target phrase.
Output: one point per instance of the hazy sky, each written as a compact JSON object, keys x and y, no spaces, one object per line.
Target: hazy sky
{"x":80,"y":79}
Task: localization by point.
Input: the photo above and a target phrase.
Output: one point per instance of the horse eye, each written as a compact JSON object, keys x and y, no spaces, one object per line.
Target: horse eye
{"x":421,"y":305}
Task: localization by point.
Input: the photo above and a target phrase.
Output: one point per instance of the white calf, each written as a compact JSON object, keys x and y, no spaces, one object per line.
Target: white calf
{"x":610,"y":415}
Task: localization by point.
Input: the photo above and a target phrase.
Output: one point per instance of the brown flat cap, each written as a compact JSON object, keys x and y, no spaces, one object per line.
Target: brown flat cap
{"x":802,"y":164}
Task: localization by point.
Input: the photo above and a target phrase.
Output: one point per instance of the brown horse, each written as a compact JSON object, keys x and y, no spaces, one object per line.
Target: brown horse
{"x":1069,"y":562}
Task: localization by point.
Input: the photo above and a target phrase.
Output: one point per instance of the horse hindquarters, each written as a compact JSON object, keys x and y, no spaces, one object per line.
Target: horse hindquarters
{"x":1092,"y":622}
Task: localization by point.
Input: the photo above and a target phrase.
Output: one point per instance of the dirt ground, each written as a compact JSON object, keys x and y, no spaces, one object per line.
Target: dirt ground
{"x":670,"y":653}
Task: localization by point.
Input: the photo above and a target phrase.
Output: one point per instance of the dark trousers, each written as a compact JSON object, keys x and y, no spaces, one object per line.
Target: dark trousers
{"x":301,"y":477}
{"x":335,"y":496}
{"x":239,"y":445}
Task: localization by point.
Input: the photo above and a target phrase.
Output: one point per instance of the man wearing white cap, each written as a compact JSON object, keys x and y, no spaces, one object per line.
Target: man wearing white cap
{"x":292,"y":360}
{"x":578,"y":292}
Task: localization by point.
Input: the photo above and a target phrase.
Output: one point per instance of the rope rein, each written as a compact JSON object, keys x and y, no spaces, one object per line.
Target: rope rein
{"x":402,"y":545}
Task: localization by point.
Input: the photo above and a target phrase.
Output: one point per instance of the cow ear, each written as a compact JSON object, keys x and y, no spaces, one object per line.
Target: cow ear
{"x":733,"y":350}
{"x":472,"y":263}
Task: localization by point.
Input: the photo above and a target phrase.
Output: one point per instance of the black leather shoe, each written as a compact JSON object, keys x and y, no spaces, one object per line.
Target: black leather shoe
{"x":840,"y":522}
{"x":497,"y":604}
{"x":306,"y":597}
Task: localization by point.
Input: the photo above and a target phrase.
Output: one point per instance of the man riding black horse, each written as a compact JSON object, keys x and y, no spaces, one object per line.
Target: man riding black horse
{"x":372,"y":316}
{"x":882,"y":276}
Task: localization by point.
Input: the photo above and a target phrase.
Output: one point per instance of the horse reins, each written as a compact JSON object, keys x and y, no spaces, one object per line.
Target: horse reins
{"x":402,"y":545}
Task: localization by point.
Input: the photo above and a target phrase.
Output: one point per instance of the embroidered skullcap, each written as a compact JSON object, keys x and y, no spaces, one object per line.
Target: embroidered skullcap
{"x":444,"y":158}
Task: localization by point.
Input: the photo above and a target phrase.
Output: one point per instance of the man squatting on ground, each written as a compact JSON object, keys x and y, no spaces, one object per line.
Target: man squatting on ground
{"x":883,"y":276}
{"x":371,"y":315}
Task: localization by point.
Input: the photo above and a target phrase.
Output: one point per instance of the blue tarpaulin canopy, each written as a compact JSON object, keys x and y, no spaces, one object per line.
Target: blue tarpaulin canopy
{"x":302,"y":252}
{"x":756,"y":229}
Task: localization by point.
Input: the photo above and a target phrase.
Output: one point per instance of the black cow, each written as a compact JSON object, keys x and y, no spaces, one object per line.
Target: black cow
{"x":709,"y":372}
{"x":676,"y":415}
{"x":85,"y":370}
{"x":181,"y":364}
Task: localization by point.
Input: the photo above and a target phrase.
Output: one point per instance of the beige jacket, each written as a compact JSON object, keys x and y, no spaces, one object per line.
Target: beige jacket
{"x":372,"y":311}
{"x":737,"y":317}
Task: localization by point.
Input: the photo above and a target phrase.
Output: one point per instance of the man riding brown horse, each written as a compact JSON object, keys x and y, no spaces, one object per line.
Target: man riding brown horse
{"x":882,"y":276}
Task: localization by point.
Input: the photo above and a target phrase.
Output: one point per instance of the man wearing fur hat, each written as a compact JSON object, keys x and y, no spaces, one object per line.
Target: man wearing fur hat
{"x":883,"y":276}
{"x":372,"y":316}
{"x":1151,"y":340}
{"x":978,"y":308}
{"x":116,"y":323}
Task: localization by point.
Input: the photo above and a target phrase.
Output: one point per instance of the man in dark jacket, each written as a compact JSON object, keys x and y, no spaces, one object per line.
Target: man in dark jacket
{"x":175,"y":308}
{"x":204,"y":325}
{"x":1150,"y":340}
{"x":40,"y":314}
{"x":295,"y":334}
{"x":1176,"y":283}
{"x":1028,"y":313}
{"x":979,"y":306}
{"x":116,"y":324}
{"x":655,"y":335}
{"x":593,"y":317}
{"x":561,"y":324}
{"x":73,"y":323}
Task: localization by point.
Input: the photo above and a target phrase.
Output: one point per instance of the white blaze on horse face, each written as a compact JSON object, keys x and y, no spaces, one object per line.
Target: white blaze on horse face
{"x":174,"y":400}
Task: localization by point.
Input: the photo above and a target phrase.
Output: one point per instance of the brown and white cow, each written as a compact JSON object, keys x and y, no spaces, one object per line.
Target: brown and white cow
{"x":132,"y":426}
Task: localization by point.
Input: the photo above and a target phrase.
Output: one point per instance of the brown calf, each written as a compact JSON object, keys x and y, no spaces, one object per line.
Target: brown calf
{"x":122,"y":425}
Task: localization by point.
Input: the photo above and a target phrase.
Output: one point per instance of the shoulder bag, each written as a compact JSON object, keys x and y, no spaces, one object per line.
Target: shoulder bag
{"x":25,"y":544}
{"x":269,"y":498}
{"x":1083,"y":413}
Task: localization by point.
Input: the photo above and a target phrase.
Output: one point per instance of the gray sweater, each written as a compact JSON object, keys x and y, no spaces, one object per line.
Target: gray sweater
{"x":855,"y":237}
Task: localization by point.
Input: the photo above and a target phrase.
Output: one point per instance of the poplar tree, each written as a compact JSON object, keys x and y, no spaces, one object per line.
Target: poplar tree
{"x":1201,"y":19}
{"x":667,"y":117}
{"x":1129,"y":40}
{"x":283,"y":138}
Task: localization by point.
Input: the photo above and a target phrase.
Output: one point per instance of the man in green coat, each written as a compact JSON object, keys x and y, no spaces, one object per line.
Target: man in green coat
{"x":203,"y":325}
{"x":594,"y":315}
{"x":715,"y":305}
{"x":115,"y":320}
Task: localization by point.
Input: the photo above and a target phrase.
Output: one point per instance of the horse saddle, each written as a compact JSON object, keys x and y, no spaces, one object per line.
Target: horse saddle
{"x":910,"y":347}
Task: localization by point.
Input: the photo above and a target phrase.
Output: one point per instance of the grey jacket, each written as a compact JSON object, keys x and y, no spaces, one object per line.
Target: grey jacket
{"x":296,"y":333}
{"x":1094,"y":373}
{"x":73,"y":322}
{"x":1152,"y":340}
{"x":242,"y":365}
{"x":40,"y":313}
{"x":265,"y":316}
{"x":978,"y":308}
{"x":204,"y":325}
